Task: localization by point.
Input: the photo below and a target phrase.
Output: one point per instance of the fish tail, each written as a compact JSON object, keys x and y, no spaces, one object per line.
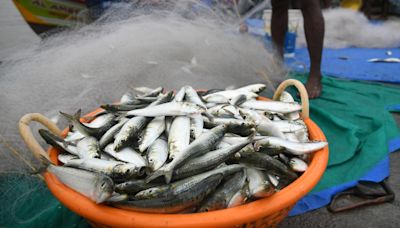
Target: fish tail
{"x":44,"y":164}
{"x":166,"y":173}
{"x":67,"y":116}
{"x":49,"y":137}
{"x":77,"y":114}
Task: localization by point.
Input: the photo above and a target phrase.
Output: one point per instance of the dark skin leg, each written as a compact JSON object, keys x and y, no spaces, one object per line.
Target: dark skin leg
{"x":314,"y":31}
{"x":314,"y":28}
{"x":279,"y":23}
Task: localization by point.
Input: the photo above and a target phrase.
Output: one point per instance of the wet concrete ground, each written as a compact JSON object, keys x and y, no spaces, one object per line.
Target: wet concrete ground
{"x":383,"y":215}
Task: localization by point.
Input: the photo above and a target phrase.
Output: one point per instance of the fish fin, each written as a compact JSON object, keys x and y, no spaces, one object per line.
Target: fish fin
{"x":67,"y":116}
{"x":166,"y":173}
{"x":77,"y":114}
{"x":44,"y":163}
{"x":209,"y":116}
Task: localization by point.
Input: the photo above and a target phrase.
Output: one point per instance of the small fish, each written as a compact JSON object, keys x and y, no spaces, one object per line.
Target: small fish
{"x":221,"y":197}
{"x":235,"y":126}
{"x":64,"y":158}
{"x":174,"y":204}
{"x":152,"y":131}
{"x":126,"y":154}
{"x":152,"y":93}
{"x":179,"y":135}
{"x":74,"y":137}
{"x":264,"y":161}
{"x":116,"y":198}
{"x":196,"y":125}
{"x":58,"y":142}
{"x":88,"y":131}
{"x":127,"y":98}
{"x":192,"y":96}
{"x":196,"y":148}
{"x":255,"y":88}
{"x":267,"y":127}
{"x":133,"y":186}
{"x":88,"y":147}
{"x":208,"y":161}
{"x":296,"y":148}
{"x":157,"y":154}
{"x":129,"y":131}
{"x":174,"y":188}
{"x":216,"y":98}
{"x":168,"y":109}
{"x":95,"y":186}
{"x":298,"y":165}
{"x":238,"y":100}
{"x":116,"y":170}
{"x":108,"y":136}
{"x":272,"y":106}
{"x":259,"y":185}
{"x":180,"y":95}
{"x":122,"y":107}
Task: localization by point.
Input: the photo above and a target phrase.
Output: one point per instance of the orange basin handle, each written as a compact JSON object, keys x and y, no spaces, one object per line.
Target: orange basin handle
{"x":305,"y":113}
{"x":29,"y":139}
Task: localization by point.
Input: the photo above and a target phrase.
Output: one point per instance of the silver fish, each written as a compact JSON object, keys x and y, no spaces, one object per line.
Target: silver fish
{"x":152,"y":93}
{"x":157,"y":154}
{"x":196,"y":125}
{"x":255,"y":88}
{"x":216,"y":98}
{"x":221,"y":197}
{"x":208,"y":161}
{"x":175,"y":203}
{"x":126,"y":154}
{"x":272,"y":106}
{"x":196,"y":148}
{"x":267,"y":127}
{"x":116,"y":198}
{"x":127,"y":98}
{"x":58,"y":142}
{"x":64,"y":158}
{"x":95,"y":186}
{"x":180,"y":95}
{"x":289,"y":126}
{"x":109,"y":135}
{"x":88,"y":147}
{"x":133,"y":186}
{"x":168,"y":109}
{"x":89,"y":131}
{"x":152,"y":131}
{"x":174,"y":188}
{"x":298,"y":165}
{"x":193,"y":97}
{"x":179,"y":135}
{"x":295,"y":148}
{"x":116,"y":170}
{"x":101,"y":121}
{"x":259,"y":185}
{"x":129,"y":131}
{"x":264,"y":161}
{"x":74,"y":137}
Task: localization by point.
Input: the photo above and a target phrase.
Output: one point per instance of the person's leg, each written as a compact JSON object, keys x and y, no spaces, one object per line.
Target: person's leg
{"x":314,"y":28}
{"x":279,"y":23}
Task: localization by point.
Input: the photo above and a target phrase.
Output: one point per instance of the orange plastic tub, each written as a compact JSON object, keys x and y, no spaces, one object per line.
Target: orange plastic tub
{"x":266,"y":212}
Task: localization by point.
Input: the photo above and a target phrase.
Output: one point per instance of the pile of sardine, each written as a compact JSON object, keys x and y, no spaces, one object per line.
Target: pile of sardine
{"x":186,"y":152}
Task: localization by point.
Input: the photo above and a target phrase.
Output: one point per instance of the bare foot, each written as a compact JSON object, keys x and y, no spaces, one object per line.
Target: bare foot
{"x":314,"y":86}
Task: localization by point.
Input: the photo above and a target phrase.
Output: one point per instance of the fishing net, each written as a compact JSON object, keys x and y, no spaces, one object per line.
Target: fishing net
{"x":170,"y":45}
